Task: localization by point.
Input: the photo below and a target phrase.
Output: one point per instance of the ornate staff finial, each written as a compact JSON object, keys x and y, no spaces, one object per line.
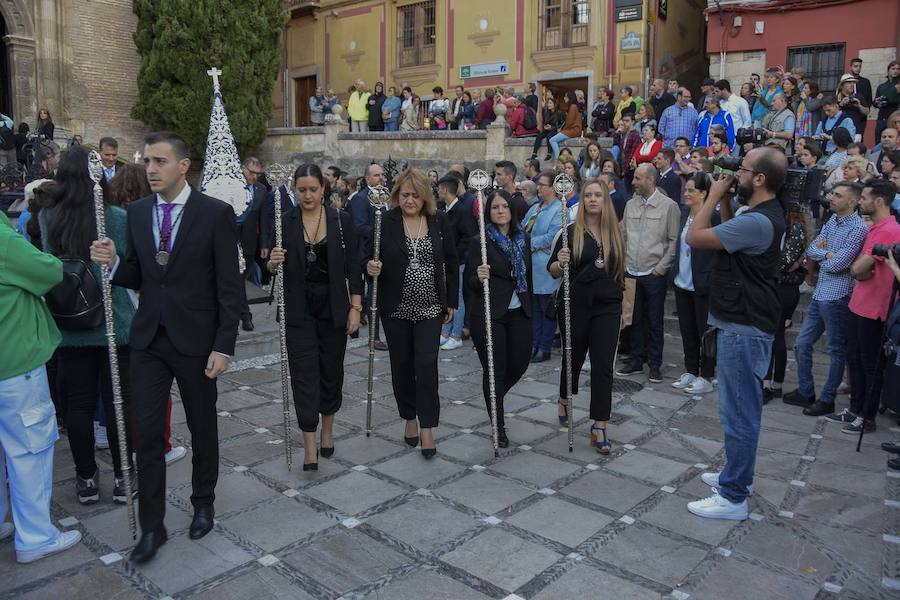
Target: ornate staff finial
{"x":379,"y":196}
{"x":214,"y":73}
{"x":479,"y":180}
{"x":95,"y":166}
{"x":278,"y":174}
{"x":563,"y":185}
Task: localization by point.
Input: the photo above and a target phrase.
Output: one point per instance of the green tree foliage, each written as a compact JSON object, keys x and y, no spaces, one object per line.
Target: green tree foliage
{"x":179,"y":40}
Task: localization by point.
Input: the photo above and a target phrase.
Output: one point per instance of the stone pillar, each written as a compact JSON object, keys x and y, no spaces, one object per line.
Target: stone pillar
{"x":22,"y":73}
{"x":333,"y":126}
{"x":495,"y":144}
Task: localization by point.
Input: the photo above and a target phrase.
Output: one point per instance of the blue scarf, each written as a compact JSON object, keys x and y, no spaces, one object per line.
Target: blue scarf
{"x":514,"y":249}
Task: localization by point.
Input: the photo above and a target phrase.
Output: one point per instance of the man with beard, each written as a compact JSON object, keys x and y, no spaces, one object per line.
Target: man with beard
{"x":744,"y":307}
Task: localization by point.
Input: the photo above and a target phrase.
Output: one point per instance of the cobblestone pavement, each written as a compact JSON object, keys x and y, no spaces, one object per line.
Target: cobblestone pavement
{"x":378,"y":521}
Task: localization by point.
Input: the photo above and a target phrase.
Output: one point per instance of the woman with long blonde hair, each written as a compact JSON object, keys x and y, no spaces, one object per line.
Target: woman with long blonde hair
{"x":597,"y":275}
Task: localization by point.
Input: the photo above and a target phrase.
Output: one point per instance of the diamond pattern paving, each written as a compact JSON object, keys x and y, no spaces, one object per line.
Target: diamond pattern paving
{"x":377,"y":521}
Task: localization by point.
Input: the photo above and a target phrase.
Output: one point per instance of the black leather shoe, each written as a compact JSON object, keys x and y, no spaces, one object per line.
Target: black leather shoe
{"x":892,"y":447}
{"x":327,"y":452}
{"x":795,"y":398}
{"x":247,"y":323}
{"x":818,"y":409}
{"x":203,"y":522}
{"x":148,"y":545}
{"x":894,"y":463}
{"x":429,"y":452}
{"x":411,"y":441}
{"x":502,"y":440}
{"x":380,"y":345}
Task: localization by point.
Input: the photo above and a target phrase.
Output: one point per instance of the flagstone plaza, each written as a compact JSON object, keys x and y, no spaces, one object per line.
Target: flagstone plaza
{"x":378,"y":521}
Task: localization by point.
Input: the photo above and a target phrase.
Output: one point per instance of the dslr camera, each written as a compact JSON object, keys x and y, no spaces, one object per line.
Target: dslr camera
{"x":883,"y":250}
{"x":750,"y":135}
{"x":880,"y":101}
{"x":727,"y":163}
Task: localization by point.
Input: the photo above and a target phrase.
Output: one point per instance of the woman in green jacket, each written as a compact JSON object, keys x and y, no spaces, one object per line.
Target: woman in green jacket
{"x":67,"y":229}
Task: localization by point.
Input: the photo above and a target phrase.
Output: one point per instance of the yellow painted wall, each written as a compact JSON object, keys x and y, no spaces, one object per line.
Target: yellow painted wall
{"x":681,"y":43}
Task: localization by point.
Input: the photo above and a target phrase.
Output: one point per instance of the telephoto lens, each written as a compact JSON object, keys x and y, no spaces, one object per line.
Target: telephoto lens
{"x":883,"y":249}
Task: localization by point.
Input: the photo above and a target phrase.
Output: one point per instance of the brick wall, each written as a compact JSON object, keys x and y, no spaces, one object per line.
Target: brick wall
{"x":101,"y":82}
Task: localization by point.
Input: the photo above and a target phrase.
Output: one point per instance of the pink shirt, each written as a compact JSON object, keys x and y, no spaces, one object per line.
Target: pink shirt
{"x":871,"y":297}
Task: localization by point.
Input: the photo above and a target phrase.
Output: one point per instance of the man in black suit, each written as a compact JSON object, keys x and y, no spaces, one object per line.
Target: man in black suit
{"x":462,"y":222}
{"x":249,"y":228}
{"x":109,"y":156}
{"x":863,"y":89}
{"x":660,"y":99}
{"x":182,"y":258}
{"x":668,"y":181}
{"x":363,"y":214}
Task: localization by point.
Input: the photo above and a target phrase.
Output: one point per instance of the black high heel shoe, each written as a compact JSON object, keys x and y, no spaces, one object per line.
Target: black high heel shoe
{"x":412,"y":442}
{"x":327,"y":452}
{"x":429,"y":452}
{"x":313,"y":466}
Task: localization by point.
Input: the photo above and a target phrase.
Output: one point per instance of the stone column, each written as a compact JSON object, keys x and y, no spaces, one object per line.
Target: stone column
{"x":495,"y":144}
{"x":22,"y":73}
{"x":333,"y":126}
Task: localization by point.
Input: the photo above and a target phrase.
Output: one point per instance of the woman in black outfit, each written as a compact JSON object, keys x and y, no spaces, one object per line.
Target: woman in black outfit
{"x":509,"y":270}
{"x":792,"y":274}
{"x":603,"y":113}
{"x":417,"y":293}
{"x":551,"y":120}
{"x":597,"y":275}
{"x":45,"y":126}
{"x":323,"y":302}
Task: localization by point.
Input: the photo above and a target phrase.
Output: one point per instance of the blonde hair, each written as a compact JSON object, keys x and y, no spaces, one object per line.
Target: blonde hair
{"x":422,"y":186}
{"x":859,"y":163}
{"x":611,"y":241}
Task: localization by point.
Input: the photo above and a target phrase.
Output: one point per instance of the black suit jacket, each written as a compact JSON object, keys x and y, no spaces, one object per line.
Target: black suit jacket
{"x":462,"y":221}
{"x":197,"y":297}
{"x":670,"y":183}
{"x":363,"y":214}
{"x":701,"y":260}
{"x":502,"y":282}
{"x":250,"y":231}
{"x":267,"y":229}
{"x":344,"y":274}
{"x":395,"y":259}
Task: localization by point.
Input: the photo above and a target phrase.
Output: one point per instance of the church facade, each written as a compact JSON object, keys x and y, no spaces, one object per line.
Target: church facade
{"x":76,"y":58}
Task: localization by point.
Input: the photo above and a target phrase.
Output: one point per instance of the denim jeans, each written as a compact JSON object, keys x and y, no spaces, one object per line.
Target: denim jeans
{"x":829,"y":317}
{"x":27,"y":434}
{"x":554,"y":143}
{"x":742,"y":361}
{"x":543,"y":328}
{"x":391,"y":125}
{"x":454,"y":328}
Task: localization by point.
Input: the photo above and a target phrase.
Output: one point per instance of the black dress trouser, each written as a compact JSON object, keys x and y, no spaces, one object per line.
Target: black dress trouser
{"x":863,"y":347}
{"x":316,"y":357}
{"x":413,"y":347}
{"x":693,"y":311}
{"x":80,"y":372}
{"x":152,"y":372}
{"x":512,"y":353}
{"x":789,"y":296}
{"x":595,"y":330}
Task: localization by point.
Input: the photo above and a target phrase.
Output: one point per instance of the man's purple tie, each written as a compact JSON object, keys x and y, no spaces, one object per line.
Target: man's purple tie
{"x":165,"y":230}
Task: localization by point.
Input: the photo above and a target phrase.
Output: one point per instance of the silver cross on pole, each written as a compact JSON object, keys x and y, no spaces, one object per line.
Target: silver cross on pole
{"x":214,"y":73}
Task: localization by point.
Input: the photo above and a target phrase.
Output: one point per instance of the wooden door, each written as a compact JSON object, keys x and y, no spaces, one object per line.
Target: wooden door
{"x":304,"y":89}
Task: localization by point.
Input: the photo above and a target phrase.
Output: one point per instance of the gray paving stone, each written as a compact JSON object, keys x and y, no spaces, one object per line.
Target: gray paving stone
{"x":521,"y":431}
{"x":424,"y":523}
{"x":666,"y":443}
{"x":269,"y":415}
{"x":354,"y":492}
{"x":416,"y":471}
{"x":345,"y":559}
{"x":273,"y":525}
{"x":252,"y":449}
{"x":781,"y":545}
{"x":855,"y":546}
{"x":469,"y":448}
{"x":425,"y":582}
{"x":847,"y":479}
{"x":384,"y":413}
{"x":838,"y":509}
{"x":704,"y":427}
{"x":362,"y":450}
{"x":582,"y":581}
{"x":581,"y":449}
{"x":560,"y":521}
{"x":535,"y":468}
{"x":235,"y":491}
{"x":184,"y":562}
{"x":651,"y":555}
{"x":277,"y":469}
{"x":519,"y":562}
{"x":760,"y":583}
{"x":772,"y":490}
{"x":111,"y":526}
{"x":671,"y":513}
{"x":661,"y":397}
{"x":233,"y":401}
{"x":644,"y":465}
{"x":228,"y":428}
{"x":784,"y":442}
{"x":776,"y":464}
{"x":260,"y":584}
{"x":622,"y":433}
{"x":537,"y":389}
{"x":608,"y":491}
{"x":463,"y":415}
{"x":95,"y":581}
{"x":484,"y":493}
{"x":13,"y":575}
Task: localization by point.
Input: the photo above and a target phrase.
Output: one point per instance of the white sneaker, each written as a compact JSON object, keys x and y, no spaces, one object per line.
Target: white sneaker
{"x":698,"y":386}
{"x":6,"y":530}
{"x":443,"y":340}
{"x":685,"y":380}
{"x":717,"y":507}
{"x":100,"y":440}
{"x":66,"y":540}
{"x":712,"y":480}
{"x":452,"y":344}
{"x":175,"y":454}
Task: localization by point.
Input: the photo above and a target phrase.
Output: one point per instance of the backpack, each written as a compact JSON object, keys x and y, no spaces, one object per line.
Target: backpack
{"x":530,"y":121}
{"x":76,"y":302}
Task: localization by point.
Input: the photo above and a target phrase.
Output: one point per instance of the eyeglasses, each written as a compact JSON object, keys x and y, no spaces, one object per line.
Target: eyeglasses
{"x":743,"y":168}
{"x":542,"y":184}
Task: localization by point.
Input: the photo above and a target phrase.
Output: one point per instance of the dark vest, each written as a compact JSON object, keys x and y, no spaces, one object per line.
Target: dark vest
{"x":744,"y":288}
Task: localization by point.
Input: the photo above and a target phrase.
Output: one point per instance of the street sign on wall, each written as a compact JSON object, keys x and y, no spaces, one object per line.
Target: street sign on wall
{"x":630,"y":42}
{"x":490,"y":69}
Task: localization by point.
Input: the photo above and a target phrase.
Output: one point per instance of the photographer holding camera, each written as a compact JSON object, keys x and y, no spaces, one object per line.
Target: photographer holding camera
{"x":745,"y":309}
{"x":887,"y":97}
{"x":852,"y":104}
{"x":869,"y":307}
